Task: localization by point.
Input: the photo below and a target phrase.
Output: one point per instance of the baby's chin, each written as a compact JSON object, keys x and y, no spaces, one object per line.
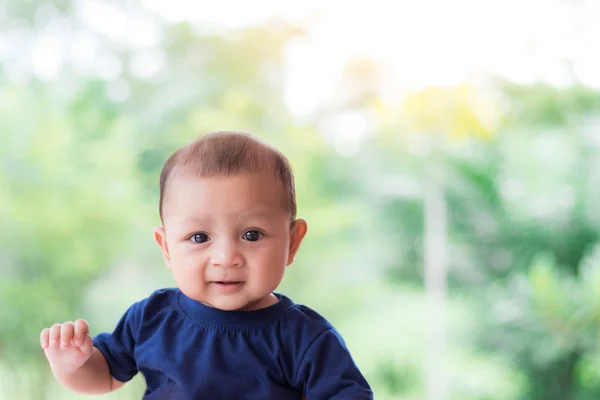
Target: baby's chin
{"x":223,"y":303}
{"x":237,"y":301}
{"x":241,"y":304}
{"x":234,"y":305}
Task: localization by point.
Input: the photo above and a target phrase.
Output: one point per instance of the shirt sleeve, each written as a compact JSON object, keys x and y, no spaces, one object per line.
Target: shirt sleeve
{"x":327,"y":371}
{"x":118,"y":347}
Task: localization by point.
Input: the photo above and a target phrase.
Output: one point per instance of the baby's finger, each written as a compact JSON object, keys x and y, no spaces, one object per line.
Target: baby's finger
{"x":45,"y":338}
{"x":66,"y":334}
{"x":54,"y":335}
{"x":87,"y":344}
{"x":81,"y":331}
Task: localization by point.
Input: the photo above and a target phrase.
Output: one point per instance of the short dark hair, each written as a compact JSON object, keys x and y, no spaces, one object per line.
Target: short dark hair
{"x":227,"y":153}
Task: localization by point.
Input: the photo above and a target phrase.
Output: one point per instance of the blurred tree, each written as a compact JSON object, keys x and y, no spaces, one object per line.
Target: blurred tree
{"x":66,"y":195}
{"x":526,"y":196}
{"x":509,"y":199}
{"x":437,"y":112}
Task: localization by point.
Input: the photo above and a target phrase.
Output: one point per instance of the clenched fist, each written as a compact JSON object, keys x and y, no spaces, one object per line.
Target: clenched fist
{"x":68,"y":345}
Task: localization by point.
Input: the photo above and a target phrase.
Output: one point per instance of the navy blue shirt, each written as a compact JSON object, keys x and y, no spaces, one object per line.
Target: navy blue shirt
{"x":187,"y":350}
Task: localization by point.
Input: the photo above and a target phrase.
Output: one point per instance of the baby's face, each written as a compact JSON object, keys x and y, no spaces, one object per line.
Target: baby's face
{"x":228,"y":240}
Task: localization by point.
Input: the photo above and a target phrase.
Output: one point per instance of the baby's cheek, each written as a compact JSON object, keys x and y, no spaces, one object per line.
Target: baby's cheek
{"x":194,"y":270}
{"x":271,"y":269}
{"x":191,"y":281}
{"x":187,"y":269}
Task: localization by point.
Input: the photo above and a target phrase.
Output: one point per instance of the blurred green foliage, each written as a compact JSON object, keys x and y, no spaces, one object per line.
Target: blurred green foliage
{"x":78,"y":201}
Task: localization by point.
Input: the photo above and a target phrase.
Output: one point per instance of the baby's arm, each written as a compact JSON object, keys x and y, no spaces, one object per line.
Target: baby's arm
{"x":327,"y":371}
{"x":74,"y":361}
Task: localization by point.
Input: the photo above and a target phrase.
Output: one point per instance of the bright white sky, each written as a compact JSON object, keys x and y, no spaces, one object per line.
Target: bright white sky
{"x":417,"y":43}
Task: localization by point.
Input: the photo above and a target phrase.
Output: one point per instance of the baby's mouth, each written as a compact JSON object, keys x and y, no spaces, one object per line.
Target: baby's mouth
{"x":227,"y":286}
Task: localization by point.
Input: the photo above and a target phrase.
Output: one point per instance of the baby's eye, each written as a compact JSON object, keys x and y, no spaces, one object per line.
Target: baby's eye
{"x":252,"y":236}
{"x":199,"y":238}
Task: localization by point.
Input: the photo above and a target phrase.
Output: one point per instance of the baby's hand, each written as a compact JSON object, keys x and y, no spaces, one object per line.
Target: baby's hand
{"x":67,"y":346}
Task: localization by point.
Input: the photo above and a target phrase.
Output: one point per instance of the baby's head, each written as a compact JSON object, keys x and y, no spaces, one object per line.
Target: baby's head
{"x":229,"y":227}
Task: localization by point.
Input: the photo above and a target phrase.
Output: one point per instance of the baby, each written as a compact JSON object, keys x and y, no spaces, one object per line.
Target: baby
{"x":229,"y":230}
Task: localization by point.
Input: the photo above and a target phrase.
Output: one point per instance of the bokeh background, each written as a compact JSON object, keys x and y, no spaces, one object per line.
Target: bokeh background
{"x":446,"y":156}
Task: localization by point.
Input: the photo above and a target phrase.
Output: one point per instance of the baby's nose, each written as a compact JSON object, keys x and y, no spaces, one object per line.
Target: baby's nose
{"x":225,"y":254}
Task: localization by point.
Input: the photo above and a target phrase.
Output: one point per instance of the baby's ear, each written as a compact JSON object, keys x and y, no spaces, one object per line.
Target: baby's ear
{"x":161,"y":238}
{"x":297,"y":233}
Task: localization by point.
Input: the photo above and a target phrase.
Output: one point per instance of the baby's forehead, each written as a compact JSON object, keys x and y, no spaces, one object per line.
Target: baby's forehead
{"x":243,"y":193}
